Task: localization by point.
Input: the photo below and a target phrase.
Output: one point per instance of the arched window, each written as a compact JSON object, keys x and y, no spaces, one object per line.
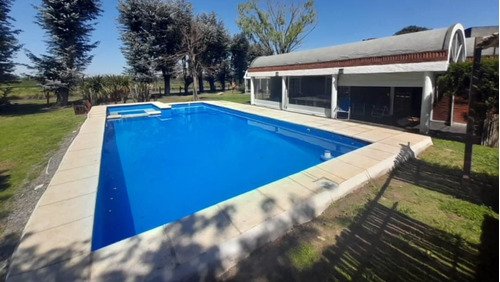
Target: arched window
{"x":457,"y":47}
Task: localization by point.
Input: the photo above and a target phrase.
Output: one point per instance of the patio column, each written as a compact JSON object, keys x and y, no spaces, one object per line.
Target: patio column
{"x":426,"y":107}
{"x":334,"y":96}
{"x":252,"y":91}
{"x":284,"y":94}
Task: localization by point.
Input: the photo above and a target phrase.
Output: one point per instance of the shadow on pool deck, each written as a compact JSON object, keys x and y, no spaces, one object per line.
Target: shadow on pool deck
{"x":381,"y":244}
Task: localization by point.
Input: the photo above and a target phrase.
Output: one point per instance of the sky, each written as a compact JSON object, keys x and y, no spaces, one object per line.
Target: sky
{"x":339,"y":22}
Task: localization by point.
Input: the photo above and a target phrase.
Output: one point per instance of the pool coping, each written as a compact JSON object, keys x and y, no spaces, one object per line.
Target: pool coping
{"x":56,"y":242}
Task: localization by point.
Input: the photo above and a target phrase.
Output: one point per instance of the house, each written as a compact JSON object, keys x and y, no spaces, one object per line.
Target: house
{"x":472,"y":32}
{"x":454,"y":110}
{"x":393,"y":77}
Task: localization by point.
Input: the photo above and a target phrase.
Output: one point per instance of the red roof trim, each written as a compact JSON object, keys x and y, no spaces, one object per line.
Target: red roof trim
{"x":383,"y":60}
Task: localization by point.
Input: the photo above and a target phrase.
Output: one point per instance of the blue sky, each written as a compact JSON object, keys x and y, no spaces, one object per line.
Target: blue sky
{"x":339,"y":22}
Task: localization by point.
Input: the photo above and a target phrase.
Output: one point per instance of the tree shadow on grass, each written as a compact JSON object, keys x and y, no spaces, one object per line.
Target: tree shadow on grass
{"x":386,"y":245}
{"x":30,"y":107}
{"x":20,"y":109}
{"x":4,"y":180}
{"x":481,"y":189}
{"x":487,"y":269}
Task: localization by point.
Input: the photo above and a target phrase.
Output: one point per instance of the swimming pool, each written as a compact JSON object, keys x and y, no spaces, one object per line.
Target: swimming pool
{"x":158,"y":169}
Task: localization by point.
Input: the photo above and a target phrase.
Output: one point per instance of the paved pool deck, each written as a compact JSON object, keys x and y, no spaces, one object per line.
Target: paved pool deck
{"x":56,"y":242}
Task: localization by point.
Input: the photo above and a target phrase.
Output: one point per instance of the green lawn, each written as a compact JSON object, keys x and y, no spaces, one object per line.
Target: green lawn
{"x":450,"y":154}
{"x":236,"y":97}
{"x":30,"y":133}
{"x":420,"y":222}
{"x":25,"y":89}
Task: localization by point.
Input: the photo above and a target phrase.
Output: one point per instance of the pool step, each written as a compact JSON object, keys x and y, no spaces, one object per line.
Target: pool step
{"x":123,"y":114}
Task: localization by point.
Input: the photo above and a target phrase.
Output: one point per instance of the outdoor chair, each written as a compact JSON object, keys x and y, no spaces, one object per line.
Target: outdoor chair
{"x":380,"y":111}
{"x":343,"y":107}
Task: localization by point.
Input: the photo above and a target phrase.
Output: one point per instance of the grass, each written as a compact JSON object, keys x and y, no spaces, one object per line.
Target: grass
{"x":450,"y":154}
{"x":26,"y":89}
{"x":30,"y":89}
{"x":304,"y":256}
{"x":421,"y":222}
{"x":236,"y":97}
{"x":440,"y":211}
{"x":30,"y":134}
{"x":442,"y":208}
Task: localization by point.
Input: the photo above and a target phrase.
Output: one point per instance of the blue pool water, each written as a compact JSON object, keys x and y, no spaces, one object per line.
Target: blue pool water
{"x":156,"y":170}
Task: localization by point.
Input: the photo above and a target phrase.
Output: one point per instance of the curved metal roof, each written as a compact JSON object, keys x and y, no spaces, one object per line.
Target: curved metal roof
{"x":411,"y":43}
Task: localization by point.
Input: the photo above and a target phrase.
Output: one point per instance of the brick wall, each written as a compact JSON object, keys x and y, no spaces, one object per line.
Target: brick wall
{"x":461,"y":108}
{"x":440,"y":110}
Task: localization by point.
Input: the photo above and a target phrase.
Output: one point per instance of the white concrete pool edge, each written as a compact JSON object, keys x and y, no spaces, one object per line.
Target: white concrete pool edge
{"x":230,"y":229}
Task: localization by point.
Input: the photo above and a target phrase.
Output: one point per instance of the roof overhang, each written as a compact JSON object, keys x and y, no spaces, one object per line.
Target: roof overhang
{"x":435,"y":56}
{"x":434,"y":66}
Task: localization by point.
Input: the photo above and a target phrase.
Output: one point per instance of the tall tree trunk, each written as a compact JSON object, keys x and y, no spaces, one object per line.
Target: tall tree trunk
{"x":186,"y":86}
{"x":211,"y":82}
{"x":195,"y":93}
{"x":200,"y":83}
{"x":222,"y":81}
{"x":62,"y":96}
{"x":166,"y":81}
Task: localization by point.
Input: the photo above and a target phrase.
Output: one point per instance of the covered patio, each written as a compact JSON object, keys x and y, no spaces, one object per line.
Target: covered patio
{"x":388,"y":80}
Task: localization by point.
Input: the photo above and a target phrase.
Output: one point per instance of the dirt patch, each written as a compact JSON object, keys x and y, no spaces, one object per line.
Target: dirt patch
{"x":22,"y":204}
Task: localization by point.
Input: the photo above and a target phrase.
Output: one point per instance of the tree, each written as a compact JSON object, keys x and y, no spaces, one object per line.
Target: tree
{"x":213,"y":60}
{"x":8,"y":43}
{"x":457,"y":82}
{"x":151,"y":33}
{"x":223,"y":73}
{"x":170,"y":19}
{"x":8,"y":48}
{"x":182,"y":71}
{"x":68,"y":25}
{"x":410,"y":29}
{"x":196,"y":36}
{"x":138,"y":47}
{"x":239,"y":56}
{"x":280,"y":28}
